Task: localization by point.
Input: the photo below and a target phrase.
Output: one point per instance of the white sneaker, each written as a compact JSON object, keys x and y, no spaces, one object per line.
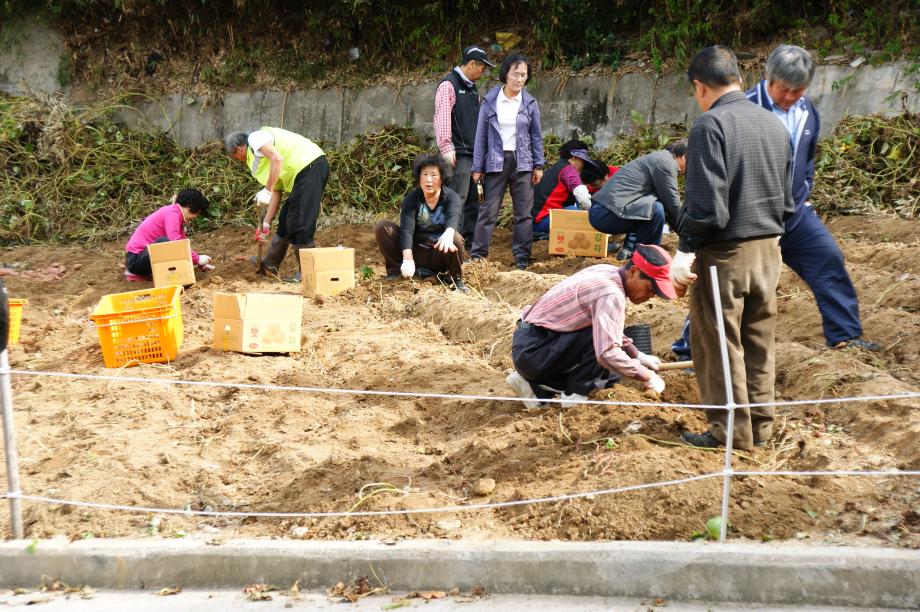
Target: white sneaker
{"x":523,"y":390}
{"x":572,"y":400}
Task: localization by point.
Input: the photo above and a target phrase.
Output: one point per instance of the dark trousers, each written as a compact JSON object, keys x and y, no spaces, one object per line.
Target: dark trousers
{"x":564,"y":361}
{"x":297,"y":220}
{"x":646,"y":231}
{"x":462,"y":183}
{"x":522,"y":202}
{"x":748,"y":271}
{"x":139,"y":263}
{"x":811,"y":251}
{"x":387,"y":235}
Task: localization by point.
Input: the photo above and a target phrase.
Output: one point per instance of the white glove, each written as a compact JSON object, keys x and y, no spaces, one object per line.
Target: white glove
{"x":263,"y":197}
{"x":205,"y":267}
{"x":450,"y":158}
{"x":582,"y":197}
{"x":655,"y":383}
{"x":649,"y":361}
{"x":407,"y":269}
{"x":680,"y":268}
{"x":204,"y":260}
{"x":445,"y":243}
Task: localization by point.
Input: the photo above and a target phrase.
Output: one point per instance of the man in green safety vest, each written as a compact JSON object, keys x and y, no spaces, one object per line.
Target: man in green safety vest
{"x":283,"y":162}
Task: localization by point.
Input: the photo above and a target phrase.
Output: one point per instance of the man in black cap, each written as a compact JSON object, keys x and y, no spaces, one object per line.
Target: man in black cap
{"x":456,"y":110}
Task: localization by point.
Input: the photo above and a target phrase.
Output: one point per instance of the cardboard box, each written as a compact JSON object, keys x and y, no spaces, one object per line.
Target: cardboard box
{"x":327,"y":271}
{"x":570,"y":233}
{"x":257,"y":322}
{"x":172,"y":263}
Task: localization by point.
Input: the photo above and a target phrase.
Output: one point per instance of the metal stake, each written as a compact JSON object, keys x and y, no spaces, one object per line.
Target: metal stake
{"x":729,"y":404}
{"x":9,"y":447}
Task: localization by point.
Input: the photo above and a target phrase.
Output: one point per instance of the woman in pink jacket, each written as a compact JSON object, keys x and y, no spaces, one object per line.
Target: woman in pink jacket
{"x":165,"y":225}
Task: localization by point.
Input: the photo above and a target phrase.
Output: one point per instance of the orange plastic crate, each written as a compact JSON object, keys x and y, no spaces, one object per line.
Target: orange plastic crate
{"x":16,"y":307}
{"x":139,"y":326}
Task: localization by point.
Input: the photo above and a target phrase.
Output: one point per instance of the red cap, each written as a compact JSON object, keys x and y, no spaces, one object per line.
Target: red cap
{"x":655,"y":262}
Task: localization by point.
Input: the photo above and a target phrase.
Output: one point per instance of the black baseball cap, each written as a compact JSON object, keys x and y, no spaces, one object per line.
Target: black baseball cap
{"x":476,"y":53}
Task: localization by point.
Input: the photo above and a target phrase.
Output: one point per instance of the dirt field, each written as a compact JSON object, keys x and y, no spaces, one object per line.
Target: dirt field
{"x":253,"y":450}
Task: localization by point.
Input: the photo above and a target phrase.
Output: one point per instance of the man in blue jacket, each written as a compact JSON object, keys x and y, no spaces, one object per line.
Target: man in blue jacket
{"x":806,"y":246}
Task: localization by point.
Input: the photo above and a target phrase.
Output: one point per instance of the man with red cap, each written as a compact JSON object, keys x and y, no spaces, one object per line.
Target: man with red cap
{"x":571,"y":341}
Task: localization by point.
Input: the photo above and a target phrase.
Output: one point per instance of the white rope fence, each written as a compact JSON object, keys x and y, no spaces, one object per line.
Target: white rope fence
{"x":445,"y":396}
{"x":15,"y":495}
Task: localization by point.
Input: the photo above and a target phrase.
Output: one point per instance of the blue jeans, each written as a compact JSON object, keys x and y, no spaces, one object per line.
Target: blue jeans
{"x":542,"y":226}
{"x":646,"y":231}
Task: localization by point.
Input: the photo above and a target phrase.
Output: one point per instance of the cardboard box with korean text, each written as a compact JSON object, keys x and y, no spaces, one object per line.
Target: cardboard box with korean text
{"x":570,"y":233}
{"x":257,"y":322}
{"x":171,"y":263}
{"x":327,"y":271}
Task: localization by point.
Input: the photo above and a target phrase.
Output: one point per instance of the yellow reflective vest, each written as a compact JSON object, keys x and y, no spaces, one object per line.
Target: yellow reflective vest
{"x":298,"y":153}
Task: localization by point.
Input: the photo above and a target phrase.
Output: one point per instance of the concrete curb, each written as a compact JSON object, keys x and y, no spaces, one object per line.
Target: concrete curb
{"x":751,"y":573}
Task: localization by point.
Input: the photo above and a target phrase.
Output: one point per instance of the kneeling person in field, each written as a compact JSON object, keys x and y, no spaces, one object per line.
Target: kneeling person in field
{"x":571,"y":341}
{"x":165,"y":224}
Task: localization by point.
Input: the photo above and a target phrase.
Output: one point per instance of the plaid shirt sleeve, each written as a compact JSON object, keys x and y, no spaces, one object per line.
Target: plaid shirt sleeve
{"x":444,"y":100}
{"x":607,"y":328}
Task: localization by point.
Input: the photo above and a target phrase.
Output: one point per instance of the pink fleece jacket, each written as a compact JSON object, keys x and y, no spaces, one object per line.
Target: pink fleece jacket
{"x":165,"y":222}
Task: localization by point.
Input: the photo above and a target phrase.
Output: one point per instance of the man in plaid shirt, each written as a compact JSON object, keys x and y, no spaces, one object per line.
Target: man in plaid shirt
{"x":571,"y":341}
{"x":456,"y":110}
{"x":738,"y":195}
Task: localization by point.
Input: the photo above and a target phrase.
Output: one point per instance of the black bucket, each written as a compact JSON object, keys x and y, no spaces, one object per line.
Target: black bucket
{"x":641,"y":335}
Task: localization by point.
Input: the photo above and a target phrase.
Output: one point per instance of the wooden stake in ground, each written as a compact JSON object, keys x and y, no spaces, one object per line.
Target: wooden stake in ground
{"x":259,"y":235}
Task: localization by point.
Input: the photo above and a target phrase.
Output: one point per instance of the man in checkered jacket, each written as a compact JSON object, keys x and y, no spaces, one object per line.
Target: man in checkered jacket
{"x":738,"y":195}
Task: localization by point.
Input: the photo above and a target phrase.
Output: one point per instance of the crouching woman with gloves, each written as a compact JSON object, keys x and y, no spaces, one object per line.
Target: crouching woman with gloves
{"x":163,"y":225}
{"x":427,"y":241}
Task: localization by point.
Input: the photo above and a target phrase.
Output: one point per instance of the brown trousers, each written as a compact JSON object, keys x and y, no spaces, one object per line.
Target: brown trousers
{"x":748,"y":272}
{"x":387,"y":235}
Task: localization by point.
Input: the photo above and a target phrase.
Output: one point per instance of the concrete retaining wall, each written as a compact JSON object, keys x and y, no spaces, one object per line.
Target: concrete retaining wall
{"x":601,"y":106}
{"x":598,"y":106}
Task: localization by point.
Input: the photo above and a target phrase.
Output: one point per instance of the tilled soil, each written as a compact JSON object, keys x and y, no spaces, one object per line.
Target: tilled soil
{"x":253,"y":450}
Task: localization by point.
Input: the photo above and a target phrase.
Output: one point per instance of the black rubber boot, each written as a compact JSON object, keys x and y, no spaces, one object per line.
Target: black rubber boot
{"x":297,"y":276}
{"x":274,"y":255}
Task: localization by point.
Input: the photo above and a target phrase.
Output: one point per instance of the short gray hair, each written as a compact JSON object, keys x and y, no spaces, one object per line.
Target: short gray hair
{"x":790,"y":64}
{"x":234,"y":140}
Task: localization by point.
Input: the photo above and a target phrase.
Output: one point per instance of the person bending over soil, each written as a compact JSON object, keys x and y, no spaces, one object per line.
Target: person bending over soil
{"x":571,"y":341}
{"x":165,"y":225}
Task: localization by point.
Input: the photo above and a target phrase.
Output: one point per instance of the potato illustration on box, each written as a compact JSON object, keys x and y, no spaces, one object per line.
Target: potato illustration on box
{"x":579,"y":241}
{"x":257,"y":323}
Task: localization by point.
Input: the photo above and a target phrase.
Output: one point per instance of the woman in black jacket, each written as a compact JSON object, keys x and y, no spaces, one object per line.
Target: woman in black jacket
{"x":427,"y":241}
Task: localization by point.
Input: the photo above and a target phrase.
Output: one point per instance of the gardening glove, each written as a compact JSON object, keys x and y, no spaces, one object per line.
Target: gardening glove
{"x":450,"y":158}
{"x":655,"y":383}
{"x":262,"y":232}
{"x":204,"y":263}
{"x":680,"y":268}
{"x":582,"y":197}
{"x":407,"y":269}
{"x":445,"y":243}
{"x":263,"y":197}
{"x":649,"y":361}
